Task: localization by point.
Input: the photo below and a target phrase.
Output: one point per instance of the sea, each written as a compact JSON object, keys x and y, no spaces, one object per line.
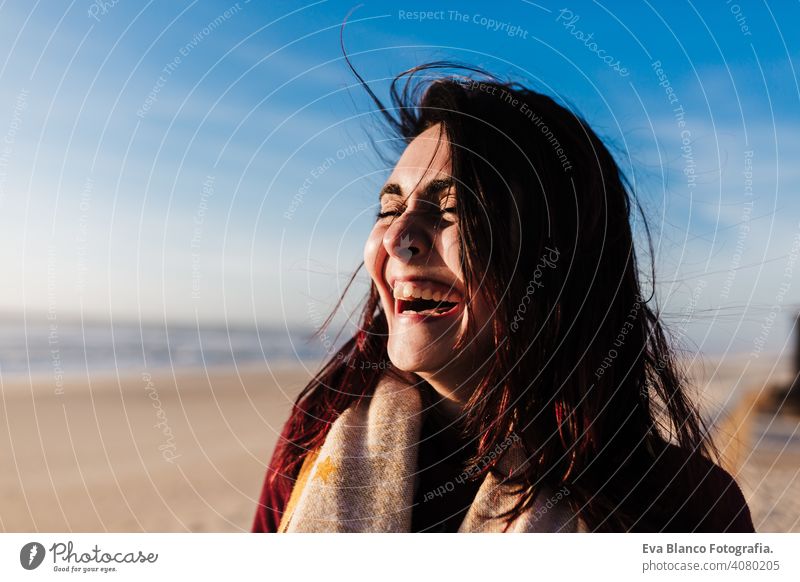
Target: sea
{"x":37,"y":345}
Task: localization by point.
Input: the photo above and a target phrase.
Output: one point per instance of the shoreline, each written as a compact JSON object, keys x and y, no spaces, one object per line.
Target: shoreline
{"x":104,"y":377}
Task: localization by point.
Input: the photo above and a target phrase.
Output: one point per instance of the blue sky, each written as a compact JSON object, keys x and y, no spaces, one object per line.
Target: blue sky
{"x":168,"y":160}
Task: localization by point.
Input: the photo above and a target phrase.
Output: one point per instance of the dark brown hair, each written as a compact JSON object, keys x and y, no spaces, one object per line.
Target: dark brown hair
{"x":582,"y":368}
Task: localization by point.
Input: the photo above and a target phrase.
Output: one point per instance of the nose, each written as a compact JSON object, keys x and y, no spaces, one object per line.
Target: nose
{"x":409,"y":236}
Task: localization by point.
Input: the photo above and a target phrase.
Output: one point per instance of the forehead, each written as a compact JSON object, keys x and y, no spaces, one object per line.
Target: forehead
{"x":426,"y":158}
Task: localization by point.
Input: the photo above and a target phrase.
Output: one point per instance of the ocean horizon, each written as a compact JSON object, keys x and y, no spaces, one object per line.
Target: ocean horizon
{"x":34,"y":345}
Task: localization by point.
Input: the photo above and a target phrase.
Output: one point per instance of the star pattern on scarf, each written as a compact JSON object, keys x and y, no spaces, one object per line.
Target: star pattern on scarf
{"x":325,"y":469}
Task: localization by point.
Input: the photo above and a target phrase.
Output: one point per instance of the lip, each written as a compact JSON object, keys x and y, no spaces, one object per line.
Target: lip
{"x":437,"y":284}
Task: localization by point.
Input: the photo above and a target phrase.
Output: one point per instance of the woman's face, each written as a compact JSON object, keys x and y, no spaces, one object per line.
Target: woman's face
{"x":412,"y":255}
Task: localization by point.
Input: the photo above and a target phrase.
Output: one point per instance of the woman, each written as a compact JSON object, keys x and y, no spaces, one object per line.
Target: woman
{"x":508,"y":374}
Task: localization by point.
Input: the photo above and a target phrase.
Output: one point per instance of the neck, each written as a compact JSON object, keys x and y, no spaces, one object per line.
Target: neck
{"x":453,"y":390}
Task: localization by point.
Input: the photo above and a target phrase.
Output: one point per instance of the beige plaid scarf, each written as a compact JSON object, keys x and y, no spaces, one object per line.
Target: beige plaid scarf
{"x":362,"y":478}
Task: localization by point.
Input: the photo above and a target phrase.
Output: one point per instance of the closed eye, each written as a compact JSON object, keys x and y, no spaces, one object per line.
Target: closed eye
{"x":389,"y":213}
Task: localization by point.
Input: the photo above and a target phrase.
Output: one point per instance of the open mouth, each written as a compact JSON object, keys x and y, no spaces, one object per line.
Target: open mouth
{"x":425,"y":299}
{"x":425,"y":306}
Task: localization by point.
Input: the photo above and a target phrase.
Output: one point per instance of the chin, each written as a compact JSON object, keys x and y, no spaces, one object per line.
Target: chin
{"x":407,"y":359}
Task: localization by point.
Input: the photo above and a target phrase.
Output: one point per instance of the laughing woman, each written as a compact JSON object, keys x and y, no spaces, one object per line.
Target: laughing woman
{"x":508,"y":373}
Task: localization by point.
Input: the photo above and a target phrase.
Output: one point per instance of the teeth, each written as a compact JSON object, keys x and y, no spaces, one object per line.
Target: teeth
{"x":414,"y":291}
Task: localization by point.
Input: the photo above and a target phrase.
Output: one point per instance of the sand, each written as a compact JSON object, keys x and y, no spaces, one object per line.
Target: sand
{"x":89,"y":456}
{"x":761,"y":450}
{"x":770,"y":475}
{"x":93,"y":459}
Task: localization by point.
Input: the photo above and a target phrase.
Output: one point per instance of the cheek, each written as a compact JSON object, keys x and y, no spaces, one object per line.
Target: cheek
{"x":451,"y":252}
{"x":374,"y":253}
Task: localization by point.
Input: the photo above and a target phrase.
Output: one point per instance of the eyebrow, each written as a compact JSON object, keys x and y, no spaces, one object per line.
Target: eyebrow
{"x":431,"y":188}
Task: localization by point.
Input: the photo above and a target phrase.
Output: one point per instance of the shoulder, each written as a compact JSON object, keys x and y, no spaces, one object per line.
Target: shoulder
{"x":706,"y":498}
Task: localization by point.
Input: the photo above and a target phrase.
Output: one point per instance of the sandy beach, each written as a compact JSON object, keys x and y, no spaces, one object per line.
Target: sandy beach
{"x":187,"y":451}
{"x":93,"y":458}
{"x":761,"y":450}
